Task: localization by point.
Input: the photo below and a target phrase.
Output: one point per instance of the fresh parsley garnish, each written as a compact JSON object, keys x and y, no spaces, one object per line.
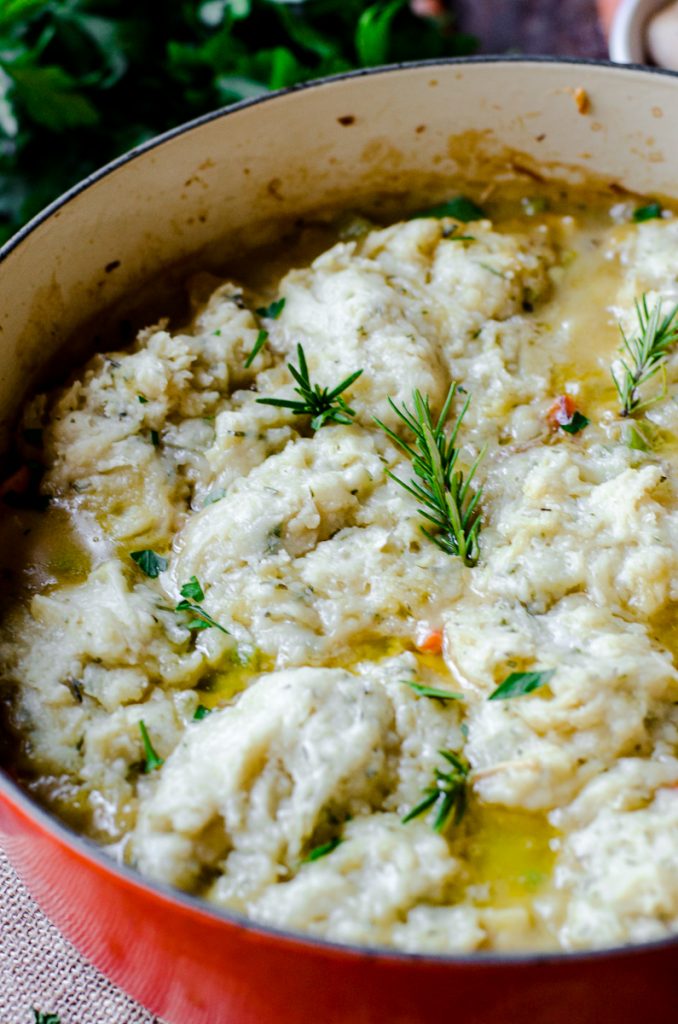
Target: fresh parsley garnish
{"x":74,"y":69}
{"x":461,"y":208}
{"x":142,"y":399}
{"x":322,"y":851}
{"x":432,"y":691}
{"x":272,"y":311}
{"x":448,"y":501}
{"x":648,"y":212}
{"x":45,"y":1018}
{"x":262,"y":337}
{"x":201,"y":712}
{"x":192,"y":590}
{"x":644,"y":354}
{"x":155,"y":438}
{"x":321,"y":404}
{"x":151,"y":759}
{"x":517,"y":684}
{"x":149,"y":562}
{"x":577,"y":423}
{"x":193,"y":594}
{"x":448,"y":791}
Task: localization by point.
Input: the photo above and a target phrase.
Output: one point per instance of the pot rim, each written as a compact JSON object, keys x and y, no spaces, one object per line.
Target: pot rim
{"x":13,"y":793}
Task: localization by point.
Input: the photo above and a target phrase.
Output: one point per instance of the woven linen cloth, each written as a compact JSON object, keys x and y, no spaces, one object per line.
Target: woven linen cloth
{"x":39,"y":968}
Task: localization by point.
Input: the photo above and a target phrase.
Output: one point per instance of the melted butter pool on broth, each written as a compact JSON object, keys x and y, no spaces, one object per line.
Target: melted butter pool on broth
{"x":219,"y":688}
{"x":509,"y":855}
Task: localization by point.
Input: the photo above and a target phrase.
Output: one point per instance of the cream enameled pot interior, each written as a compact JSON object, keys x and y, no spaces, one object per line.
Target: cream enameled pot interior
{"x":234,"y":177}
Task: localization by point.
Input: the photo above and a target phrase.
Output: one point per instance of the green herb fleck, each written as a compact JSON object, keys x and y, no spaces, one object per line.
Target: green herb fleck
{"x":201,"y":712}
{"x":649,"y":212}
{"x":142,"y":399}
{"x":322,"y":851}
{"x":273,"y":311}
{"x":448,"y":791}
{"x":149,"y":562}
{"x":461,"y":208}
{"x":323,"y":405}
{"x":447,"y":499}
{"x":155,"y":438}
{"x":193,"y":592}
{"x":258,"y":345}
{"x":432,"y":691}
{"x":520,"y":683}
{"x":45,"y":1018}
{"x":577,"y":423}
{"x":152,"y":761}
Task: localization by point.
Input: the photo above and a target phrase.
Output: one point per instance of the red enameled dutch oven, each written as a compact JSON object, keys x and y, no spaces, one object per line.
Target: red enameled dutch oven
{"x":210,"y":189}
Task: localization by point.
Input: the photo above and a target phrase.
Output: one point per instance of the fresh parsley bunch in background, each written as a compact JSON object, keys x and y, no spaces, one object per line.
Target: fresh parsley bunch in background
{"x":83,"y":80}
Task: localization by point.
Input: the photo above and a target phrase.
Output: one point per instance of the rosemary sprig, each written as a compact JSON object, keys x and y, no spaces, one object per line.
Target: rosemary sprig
{"x":323,"y":405}
{"x":449,"y":504}
{"x":645,"y":354}
{"x":448,"y":791}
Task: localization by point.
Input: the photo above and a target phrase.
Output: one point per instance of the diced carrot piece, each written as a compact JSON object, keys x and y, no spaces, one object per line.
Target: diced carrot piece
{"x":430,"y":641}
{"x":17,"y":483}
{"x":562,"y":411}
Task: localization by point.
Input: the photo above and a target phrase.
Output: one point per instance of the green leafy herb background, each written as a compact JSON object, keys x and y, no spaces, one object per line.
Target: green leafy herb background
{"x":84,"y":80}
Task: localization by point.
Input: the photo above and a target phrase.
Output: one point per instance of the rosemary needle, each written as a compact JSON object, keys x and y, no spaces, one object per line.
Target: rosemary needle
{"x":321,"y":404}
{"x":448,"y":502}
{"x":448,"y":791}
{"x":644,"y":354}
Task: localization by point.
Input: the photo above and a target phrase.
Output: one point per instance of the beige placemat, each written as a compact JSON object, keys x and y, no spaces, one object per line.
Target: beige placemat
{"x":39,"y":968}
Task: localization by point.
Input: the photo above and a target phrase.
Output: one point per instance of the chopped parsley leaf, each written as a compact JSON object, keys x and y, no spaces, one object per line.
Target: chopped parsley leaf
{"x":649,"y":212}
{"x":149,"y":562}
{"x":273,"y":310}
{"x":193,"y":590}
{"x":577,"y":423}
{"x":461,"y":208}
{"x":201,"y":619}
{"x":520,"y":683}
